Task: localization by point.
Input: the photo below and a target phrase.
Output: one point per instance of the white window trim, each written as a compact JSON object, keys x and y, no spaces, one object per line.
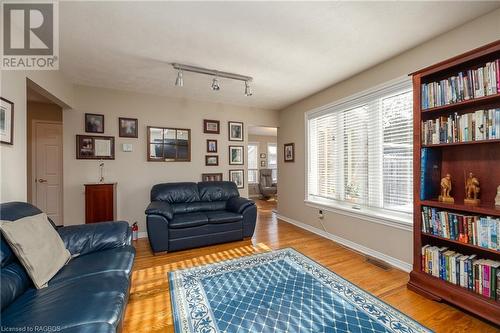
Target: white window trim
{"x":381,"y":216}
{"x":250,"y":169}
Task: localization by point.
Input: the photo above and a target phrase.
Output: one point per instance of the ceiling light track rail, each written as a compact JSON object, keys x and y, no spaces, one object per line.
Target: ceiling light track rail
{"x":211,"y":72}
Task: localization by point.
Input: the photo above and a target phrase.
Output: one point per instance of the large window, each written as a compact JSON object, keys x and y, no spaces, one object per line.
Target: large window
{"x":272,"y":158}
{"x":360,"y":152}
{"x":253,"y":160}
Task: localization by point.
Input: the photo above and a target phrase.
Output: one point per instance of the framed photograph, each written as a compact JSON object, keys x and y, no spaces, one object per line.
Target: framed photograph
{"x":6,"y":121}
{"x":262,"y":155}
{"x":211,"y":126}
{"x":238,"y":177}
{"x":91,"y":147}
{"x":211,"y":146}
{"x":236,"y":154}
{"x":211,"y":177}
{"x":211,"y":160}
{"x":94,"y":123}
{"x":235,"y":131}
{"x":262,"y":164}
{"x":289,"y":152}
{"x":127,"y":127}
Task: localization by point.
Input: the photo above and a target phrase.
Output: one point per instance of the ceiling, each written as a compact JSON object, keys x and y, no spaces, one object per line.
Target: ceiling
{"x":292,"y":50}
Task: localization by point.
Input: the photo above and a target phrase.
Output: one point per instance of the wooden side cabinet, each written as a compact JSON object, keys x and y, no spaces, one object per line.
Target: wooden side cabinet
{"x":100,"y":202}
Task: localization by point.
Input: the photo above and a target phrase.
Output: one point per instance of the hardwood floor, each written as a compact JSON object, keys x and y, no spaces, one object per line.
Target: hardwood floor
{"x":149,"y":308}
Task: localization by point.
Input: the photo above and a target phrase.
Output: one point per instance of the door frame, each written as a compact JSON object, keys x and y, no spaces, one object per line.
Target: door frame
{"x":34,"y":122}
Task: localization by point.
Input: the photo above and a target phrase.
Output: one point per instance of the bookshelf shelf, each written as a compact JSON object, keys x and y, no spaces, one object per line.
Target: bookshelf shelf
{"x":470,"y":246}
{"x":480,"y":157}
{"x":491,"y":141}
{"x":469,"y":104}
{"x":489,"y":210}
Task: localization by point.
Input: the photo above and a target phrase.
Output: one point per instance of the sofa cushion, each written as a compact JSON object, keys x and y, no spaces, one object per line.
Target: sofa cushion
{"x":205,"y":230}
{"x":175,"y":192}
{"x":188,"y":220}
{"x":217,"y":191}
{"x":37,"y":245}
{"x":91,"y":300}
{"x":192,"y":207}
{"x":113,"y":260}
{"x":223,"y":217}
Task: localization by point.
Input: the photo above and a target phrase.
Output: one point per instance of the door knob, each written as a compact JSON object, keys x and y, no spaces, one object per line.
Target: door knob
{"x":41,"y":180}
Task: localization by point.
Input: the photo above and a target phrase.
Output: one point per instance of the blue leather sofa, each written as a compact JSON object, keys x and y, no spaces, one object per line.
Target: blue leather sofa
{"x":188,"y":215}
{"x":88,"y":295}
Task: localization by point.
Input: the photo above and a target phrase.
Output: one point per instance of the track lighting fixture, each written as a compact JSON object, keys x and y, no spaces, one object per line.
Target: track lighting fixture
{"x":215,"y":84}
{"x":248,"y":90}
{"x":179,"y":81}
{"x":216,"y":74}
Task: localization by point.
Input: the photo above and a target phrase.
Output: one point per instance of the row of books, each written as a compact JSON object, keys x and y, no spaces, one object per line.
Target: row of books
{"x":479,"y":275}
{"x":474,"y":126}
{"x":473,"y":83}
{"x":481,"y":231}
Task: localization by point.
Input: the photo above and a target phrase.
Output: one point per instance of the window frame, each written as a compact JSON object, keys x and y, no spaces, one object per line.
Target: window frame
{"x":373,"y":214}
{"x":256,"y":144}
{"x":275,"y":169}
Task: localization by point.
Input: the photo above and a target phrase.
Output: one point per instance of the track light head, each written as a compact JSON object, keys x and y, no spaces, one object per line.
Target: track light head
{"x":215,"y":84}
{"x":179,"y":81}
{"x":248,"y":89}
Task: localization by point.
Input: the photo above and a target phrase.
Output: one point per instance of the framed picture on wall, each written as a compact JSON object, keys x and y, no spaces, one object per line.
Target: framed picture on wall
{"x":211,"y":126}
{"x":211,"y":160}
{"x":168,"y":144}
{"x":94,"y":123}
{"x":262,"y":164}
{"x":238,"y":177}
{"x":127,"y":127}
{"x":235,"y":130}
{"x":289,"y":152}
{"x":211,"y":146}
{"x":262,"y":155}
{"x":211,"y":177}
{"x":236,"y":155}
{"x":6,"y":121}
{"x":92,"y":147}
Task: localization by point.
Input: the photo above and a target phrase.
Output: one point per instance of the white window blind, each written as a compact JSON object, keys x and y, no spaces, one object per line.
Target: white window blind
{"x":253,"y":161}
{"x":360,"y":152}
{"x":272,"y":158}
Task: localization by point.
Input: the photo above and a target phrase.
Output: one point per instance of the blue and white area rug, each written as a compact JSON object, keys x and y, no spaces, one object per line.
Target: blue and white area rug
{"x":279,"y":291}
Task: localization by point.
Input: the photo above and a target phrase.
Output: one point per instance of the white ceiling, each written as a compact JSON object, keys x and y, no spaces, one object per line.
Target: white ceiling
{"x":291,"y":49}
{"x":262,"y":131}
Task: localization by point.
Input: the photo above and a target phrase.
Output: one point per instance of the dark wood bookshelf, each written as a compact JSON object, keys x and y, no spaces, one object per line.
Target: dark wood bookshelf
{"x":480,"y":157}
{"x":489,"y":210}
{"x":462,"y":143}
{"x":468,"y":104}
{"x":470,"y":246}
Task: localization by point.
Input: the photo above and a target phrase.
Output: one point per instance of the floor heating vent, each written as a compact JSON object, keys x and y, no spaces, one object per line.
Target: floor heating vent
{"x":378,"y":263}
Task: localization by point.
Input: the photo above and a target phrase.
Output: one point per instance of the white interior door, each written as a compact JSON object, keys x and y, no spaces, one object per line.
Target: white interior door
{"x":48,"y":169}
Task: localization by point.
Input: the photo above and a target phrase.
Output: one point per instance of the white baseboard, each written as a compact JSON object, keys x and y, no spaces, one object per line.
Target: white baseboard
{"x":402,"y":265}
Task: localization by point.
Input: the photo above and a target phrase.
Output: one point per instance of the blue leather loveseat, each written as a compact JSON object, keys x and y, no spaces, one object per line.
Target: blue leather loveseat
{"x":88,"y":295}
{"x":187,"y":215}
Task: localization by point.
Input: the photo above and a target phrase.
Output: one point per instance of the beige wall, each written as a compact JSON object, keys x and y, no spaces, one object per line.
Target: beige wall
{"x":262,"y":140}
{"x":134,"y":174}
{"x":13,"y":158}
{"x":389,"y":241}
{"x":37,"y":111}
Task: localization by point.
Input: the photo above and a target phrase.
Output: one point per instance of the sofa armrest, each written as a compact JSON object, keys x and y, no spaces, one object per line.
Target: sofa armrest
{"x":160,"y":208}
{"x":87,"y":238}
{"x":239,"y":204}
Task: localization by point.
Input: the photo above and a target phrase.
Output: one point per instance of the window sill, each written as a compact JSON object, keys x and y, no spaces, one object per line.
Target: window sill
{"x":372,"y":215}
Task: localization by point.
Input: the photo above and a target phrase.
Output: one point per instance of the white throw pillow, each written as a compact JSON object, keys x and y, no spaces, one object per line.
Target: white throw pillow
{"x":38,"y":247}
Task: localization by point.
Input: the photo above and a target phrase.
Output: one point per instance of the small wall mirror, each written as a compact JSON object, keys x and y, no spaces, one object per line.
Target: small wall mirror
{"x":169,"y":144}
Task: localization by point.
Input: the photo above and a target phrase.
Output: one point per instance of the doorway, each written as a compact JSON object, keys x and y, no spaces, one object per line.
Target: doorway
{"x":45,"y":155}
{"x":263,"y":164}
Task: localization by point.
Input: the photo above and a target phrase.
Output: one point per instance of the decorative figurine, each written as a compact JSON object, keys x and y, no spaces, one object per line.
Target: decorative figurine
{"x":472,"y":190}
{"x":497,"y":198}
{"x":446,"y":189}
{"x":101,"y":172}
